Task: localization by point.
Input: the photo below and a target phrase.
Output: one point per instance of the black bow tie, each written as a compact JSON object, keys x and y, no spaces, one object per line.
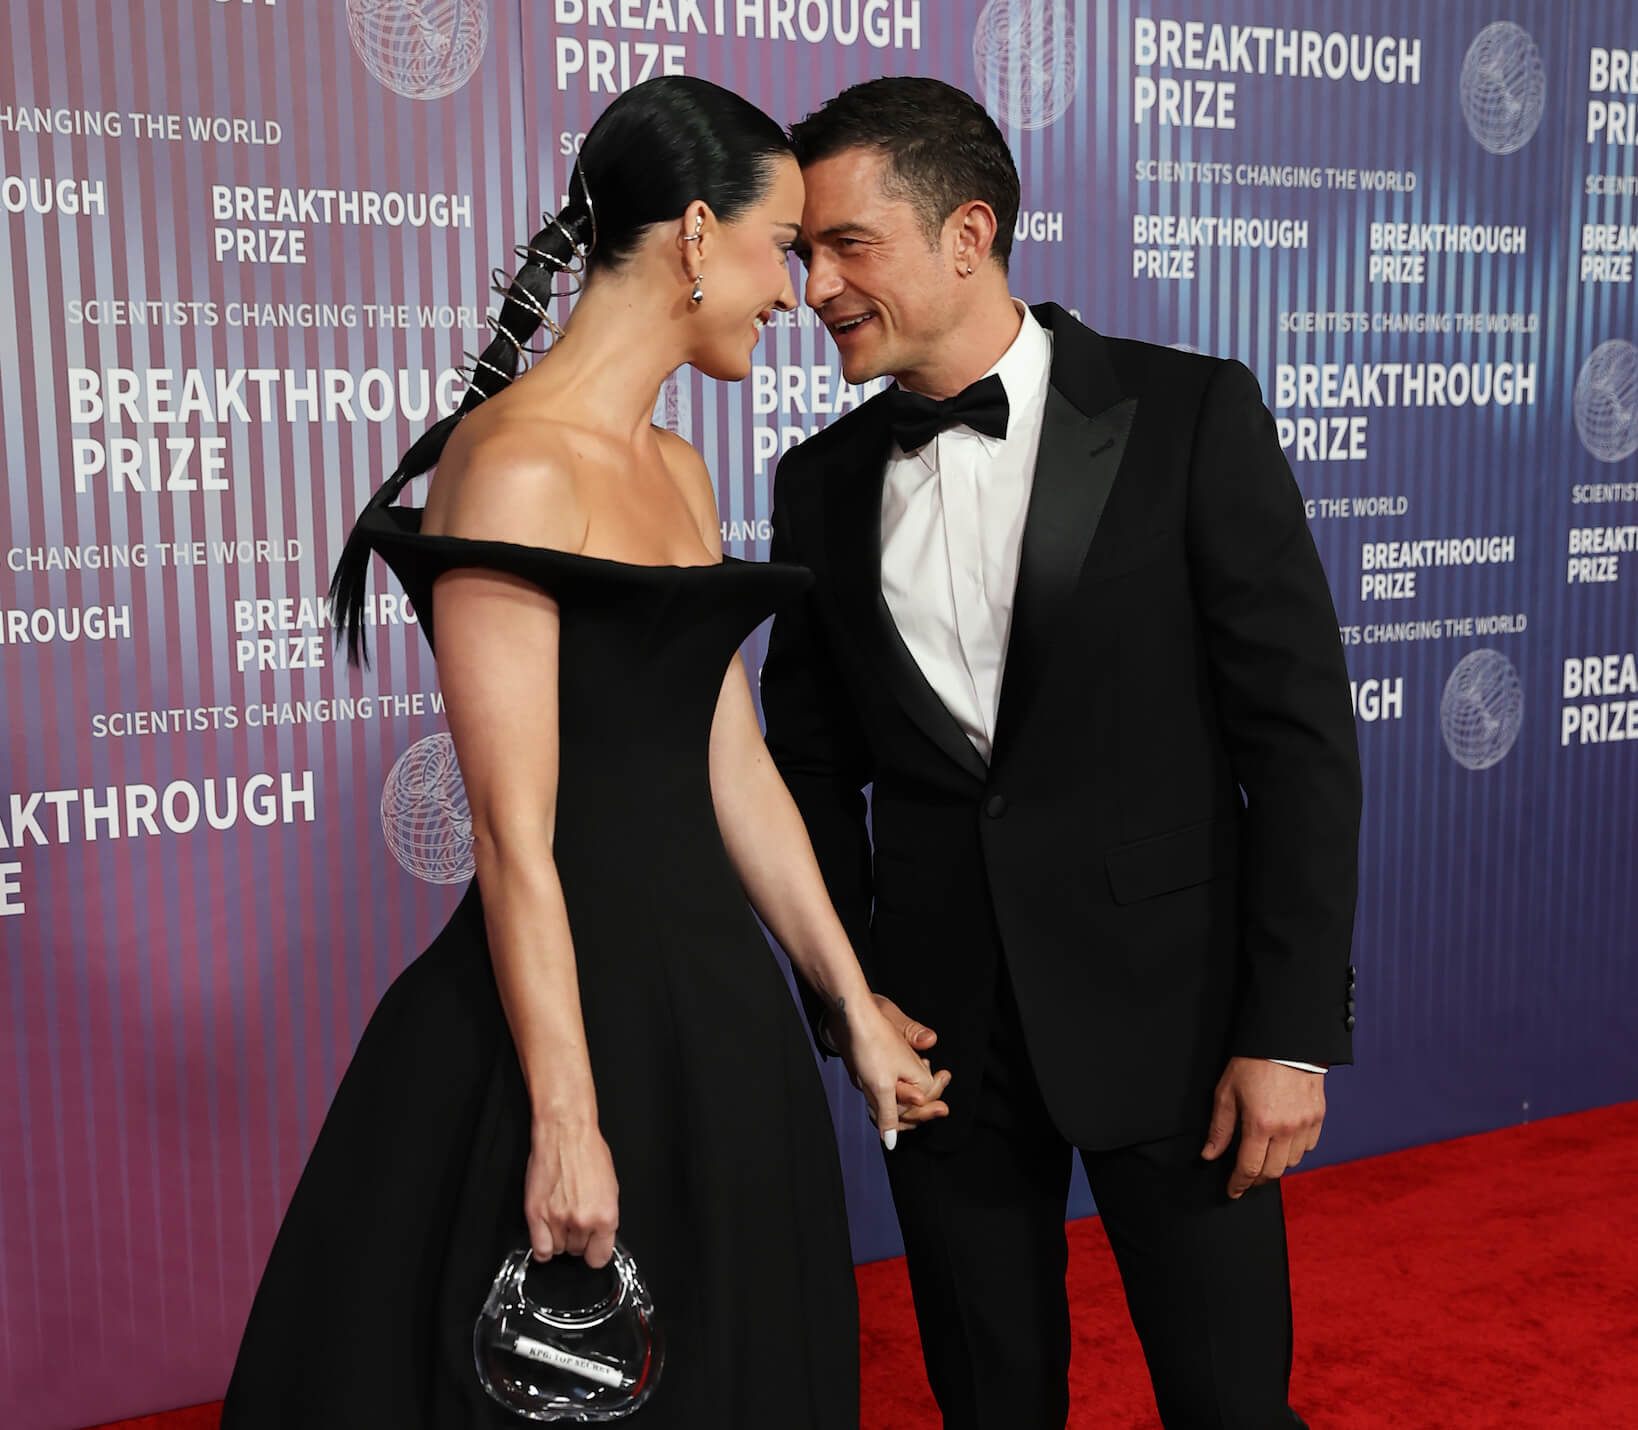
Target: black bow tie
{"x":916,"y":420}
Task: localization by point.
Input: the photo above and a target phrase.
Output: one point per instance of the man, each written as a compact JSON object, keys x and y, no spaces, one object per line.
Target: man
{"x":1070,"y":624}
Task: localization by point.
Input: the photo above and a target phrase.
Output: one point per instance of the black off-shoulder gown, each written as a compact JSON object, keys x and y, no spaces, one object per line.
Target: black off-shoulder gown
{"x":730,"y":1186}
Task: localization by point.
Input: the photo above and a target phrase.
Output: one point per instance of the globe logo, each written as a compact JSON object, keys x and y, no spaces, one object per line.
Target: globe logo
{"x":1606,"y":401}
{"x":424,"y":813}
{"x":1504,"y":87}
{"x":1481,"y":709}
{"x":1028,"y":60}
{"x":421,"y":49}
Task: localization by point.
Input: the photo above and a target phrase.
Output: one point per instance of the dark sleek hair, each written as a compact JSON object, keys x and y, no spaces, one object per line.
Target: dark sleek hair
{"x":657,"y":148}
{"x":943,"y":149}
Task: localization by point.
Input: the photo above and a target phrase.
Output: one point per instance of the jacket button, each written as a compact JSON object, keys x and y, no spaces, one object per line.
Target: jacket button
{"x":995,"y":806}
{"x":1348,"y":1022}
{"x":1350,"y":1005}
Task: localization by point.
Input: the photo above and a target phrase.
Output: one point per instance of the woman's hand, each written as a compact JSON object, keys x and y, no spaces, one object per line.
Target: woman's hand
{"x":571,"y":1199}
{"x":900,"y":1087}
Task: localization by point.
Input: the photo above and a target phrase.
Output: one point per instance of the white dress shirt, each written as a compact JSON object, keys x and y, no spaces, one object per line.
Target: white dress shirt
{"x":952,"y":532}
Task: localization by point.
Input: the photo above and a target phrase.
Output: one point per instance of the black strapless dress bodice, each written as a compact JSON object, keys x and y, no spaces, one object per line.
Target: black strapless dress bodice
{"x":642,"y":655}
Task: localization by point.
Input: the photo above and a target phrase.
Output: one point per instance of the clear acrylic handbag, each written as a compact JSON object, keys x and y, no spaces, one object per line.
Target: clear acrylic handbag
{"x":557,"y":1340}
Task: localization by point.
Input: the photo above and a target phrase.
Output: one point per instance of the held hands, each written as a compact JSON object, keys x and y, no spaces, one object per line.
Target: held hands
{"x":882,"y":1048}
{"x":1279,"y":1111}
{"x":570,"y":1196}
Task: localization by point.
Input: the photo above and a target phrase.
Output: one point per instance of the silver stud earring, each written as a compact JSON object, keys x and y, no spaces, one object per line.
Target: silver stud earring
{"x":969,"y":270}
{"x":698,"y":295}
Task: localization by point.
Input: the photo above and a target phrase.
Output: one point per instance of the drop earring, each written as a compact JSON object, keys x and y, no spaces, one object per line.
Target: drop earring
{"x":698,"y":295}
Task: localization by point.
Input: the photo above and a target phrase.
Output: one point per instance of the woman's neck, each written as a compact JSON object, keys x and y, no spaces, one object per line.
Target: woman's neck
{"x":616,"y":350}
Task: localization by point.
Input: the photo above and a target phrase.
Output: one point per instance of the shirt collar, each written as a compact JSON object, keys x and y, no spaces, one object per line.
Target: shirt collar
{"x":1023,"y":369}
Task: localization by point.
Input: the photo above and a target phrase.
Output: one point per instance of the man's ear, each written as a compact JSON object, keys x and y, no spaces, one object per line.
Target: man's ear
{"x":973,"y":229}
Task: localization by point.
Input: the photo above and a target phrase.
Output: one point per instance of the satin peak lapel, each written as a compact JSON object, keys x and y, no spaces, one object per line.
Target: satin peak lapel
{"x":1083,"y":441}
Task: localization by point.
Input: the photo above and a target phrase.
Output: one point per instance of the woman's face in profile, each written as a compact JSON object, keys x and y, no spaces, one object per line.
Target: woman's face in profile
{"x":747,"y":277}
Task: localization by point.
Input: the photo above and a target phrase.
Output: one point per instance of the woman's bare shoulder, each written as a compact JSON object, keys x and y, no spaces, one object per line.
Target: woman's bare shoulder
{"x":510,"y":478}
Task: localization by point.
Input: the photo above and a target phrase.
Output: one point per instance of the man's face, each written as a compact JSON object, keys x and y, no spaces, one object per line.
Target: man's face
{"x":887,"y":294}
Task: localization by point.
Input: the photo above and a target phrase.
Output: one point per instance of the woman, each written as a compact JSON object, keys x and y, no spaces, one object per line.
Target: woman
{"x":602,"y":1029}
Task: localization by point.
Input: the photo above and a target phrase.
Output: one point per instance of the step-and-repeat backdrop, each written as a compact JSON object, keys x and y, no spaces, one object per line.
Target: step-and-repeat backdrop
{"x":247,"y":244}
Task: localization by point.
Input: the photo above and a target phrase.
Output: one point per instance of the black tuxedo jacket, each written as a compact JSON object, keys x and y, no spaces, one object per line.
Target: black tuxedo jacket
{"x":1163,"y":847}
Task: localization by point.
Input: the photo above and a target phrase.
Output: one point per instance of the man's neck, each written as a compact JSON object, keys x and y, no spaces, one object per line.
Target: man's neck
{"x":969,"y":350}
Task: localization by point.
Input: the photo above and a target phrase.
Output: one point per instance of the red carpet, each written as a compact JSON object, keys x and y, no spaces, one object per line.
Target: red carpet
{"x":1486,"y":1283}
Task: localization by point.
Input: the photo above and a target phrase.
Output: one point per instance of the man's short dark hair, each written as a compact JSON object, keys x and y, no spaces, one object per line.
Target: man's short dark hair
{"x":942,"y":149}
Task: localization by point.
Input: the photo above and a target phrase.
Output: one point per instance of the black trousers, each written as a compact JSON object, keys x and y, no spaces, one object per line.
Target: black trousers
{"x":1206,"y":1279}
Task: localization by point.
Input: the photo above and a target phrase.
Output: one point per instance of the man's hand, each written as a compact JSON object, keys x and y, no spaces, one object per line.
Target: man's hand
{"x":1279,"y":1112}
{"x":920,"y":1038}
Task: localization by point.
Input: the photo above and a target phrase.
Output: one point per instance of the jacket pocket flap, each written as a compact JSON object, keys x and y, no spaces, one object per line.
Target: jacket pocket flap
{"x":1175,"y":860}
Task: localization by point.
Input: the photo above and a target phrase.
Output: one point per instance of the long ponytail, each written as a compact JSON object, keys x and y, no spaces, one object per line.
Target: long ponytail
{"x":564,"y":245}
